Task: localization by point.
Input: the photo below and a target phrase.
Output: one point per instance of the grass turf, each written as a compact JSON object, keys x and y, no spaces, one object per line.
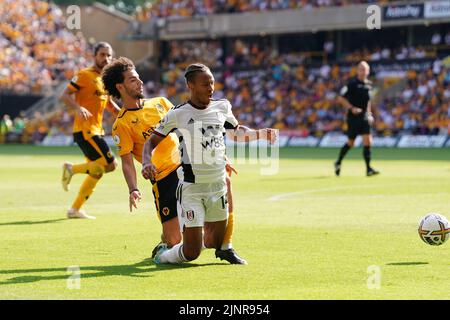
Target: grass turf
{"x":305,"y":233}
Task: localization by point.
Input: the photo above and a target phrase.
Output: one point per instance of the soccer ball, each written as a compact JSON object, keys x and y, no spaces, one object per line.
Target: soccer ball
{"x":434,"y":229}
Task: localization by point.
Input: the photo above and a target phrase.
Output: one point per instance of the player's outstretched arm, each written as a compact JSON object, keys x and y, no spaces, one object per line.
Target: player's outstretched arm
{"x":129,"y":172}
{"x":245,"y":134}
{"x":148,"y":168}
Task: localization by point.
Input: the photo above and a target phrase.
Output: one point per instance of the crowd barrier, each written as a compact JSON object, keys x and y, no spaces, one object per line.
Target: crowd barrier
{"x":329,"y":140}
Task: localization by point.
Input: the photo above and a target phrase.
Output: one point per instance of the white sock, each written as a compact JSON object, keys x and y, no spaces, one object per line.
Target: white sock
{"x":203,"y":240}
{"x":226,"y":246}
{"x":173,"y":255}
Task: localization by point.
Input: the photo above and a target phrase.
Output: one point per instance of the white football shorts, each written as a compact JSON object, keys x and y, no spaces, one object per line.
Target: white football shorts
{"x":201,"y":202}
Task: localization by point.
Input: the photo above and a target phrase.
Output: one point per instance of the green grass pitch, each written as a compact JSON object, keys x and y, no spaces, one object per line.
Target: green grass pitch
{"x":305,"y":233}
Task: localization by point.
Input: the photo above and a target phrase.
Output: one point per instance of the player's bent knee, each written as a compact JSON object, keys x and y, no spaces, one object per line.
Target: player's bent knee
{"x":111,"y":166}
{"x":96,"y":169}
{"x":172,"y":239}
{"x":96,"y":176}
{"x":171,"y":232}
{"x":208,"y":243}
{"x":191,"y":253}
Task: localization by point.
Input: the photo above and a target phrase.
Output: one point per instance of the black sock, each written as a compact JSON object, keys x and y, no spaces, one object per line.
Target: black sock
{"x":367,"y":156}
{"x":343,"y":152}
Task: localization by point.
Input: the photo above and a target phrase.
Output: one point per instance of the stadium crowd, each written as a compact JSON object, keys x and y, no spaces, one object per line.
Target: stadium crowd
{"x":189,"y":8}
{"x":423,"y":107}
{"x":252,"y":53}
{"x":290,"y":96}
{"x":266,"y":88}
{"x":37,"y":51}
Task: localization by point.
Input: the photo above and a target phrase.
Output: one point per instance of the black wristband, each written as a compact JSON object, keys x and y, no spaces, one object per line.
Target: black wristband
{"x":134,"y":191}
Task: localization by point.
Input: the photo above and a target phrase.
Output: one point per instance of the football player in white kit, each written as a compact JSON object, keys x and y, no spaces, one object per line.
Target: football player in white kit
{"x":200,"y":125}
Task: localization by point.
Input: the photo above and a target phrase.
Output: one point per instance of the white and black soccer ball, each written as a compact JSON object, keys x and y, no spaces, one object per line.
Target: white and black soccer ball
{"x":434,"y":229}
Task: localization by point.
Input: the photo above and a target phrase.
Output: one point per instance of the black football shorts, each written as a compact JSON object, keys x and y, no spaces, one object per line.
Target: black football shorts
{"x":164,"y":192}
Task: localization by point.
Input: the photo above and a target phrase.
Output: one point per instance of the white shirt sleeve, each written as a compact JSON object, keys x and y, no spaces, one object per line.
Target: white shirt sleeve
{"x":230,"y":121}
{"x":167,"y":124}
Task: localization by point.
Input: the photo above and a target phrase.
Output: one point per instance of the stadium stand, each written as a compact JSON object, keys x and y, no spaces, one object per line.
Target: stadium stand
{"x":189,"y":8}
{"x":270,"y":81}
{"x":291,"y":96}
{"x":288,"y":96}
{"x":35,"y":57}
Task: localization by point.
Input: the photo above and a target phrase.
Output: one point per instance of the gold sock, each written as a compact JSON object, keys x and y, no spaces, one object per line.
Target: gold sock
{"x":226,"y":244}
{"x":86,"y":189}
{"x":90,"y":167}
{"x":80,"y":168}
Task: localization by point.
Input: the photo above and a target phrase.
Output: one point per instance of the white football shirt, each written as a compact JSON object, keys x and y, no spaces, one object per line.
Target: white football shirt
{"x":201,"y":133}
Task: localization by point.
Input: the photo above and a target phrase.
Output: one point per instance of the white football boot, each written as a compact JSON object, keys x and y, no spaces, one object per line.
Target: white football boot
{"x":66,"y":176}
{"x":78,"y":214}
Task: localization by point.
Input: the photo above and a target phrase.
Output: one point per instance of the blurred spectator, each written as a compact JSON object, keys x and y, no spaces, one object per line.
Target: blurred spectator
{"x":19,"y":123}
{"x":436,"y":39}
{"x":402,"y":53}
{"x":328,"y":48}
{"x":385,"y":53}
{"x":447,"y":39}
{"x":182,"y":53}
{"x":38,"y":128}
{"x":6,"y":126}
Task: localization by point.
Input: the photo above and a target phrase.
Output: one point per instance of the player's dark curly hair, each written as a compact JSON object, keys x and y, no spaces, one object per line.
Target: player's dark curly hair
{"x":113,"y":74}
{"x":193,"y":69}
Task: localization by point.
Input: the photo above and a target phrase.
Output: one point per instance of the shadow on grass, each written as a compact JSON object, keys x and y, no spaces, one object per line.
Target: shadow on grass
{"x":140,"y":270}
{"x":26,"y":223}
{"x":417,"y":263}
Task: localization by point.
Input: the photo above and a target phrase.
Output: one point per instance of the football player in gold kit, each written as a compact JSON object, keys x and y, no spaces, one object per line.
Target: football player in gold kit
{"x":85,"y":94}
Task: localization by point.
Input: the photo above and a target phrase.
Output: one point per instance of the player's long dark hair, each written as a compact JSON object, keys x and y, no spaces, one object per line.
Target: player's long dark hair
{"x":113,"y":74}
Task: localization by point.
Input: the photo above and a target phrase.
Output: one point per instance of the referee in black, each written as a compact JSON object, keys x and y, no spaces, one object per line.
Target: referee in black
{"x":355,"y":98}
